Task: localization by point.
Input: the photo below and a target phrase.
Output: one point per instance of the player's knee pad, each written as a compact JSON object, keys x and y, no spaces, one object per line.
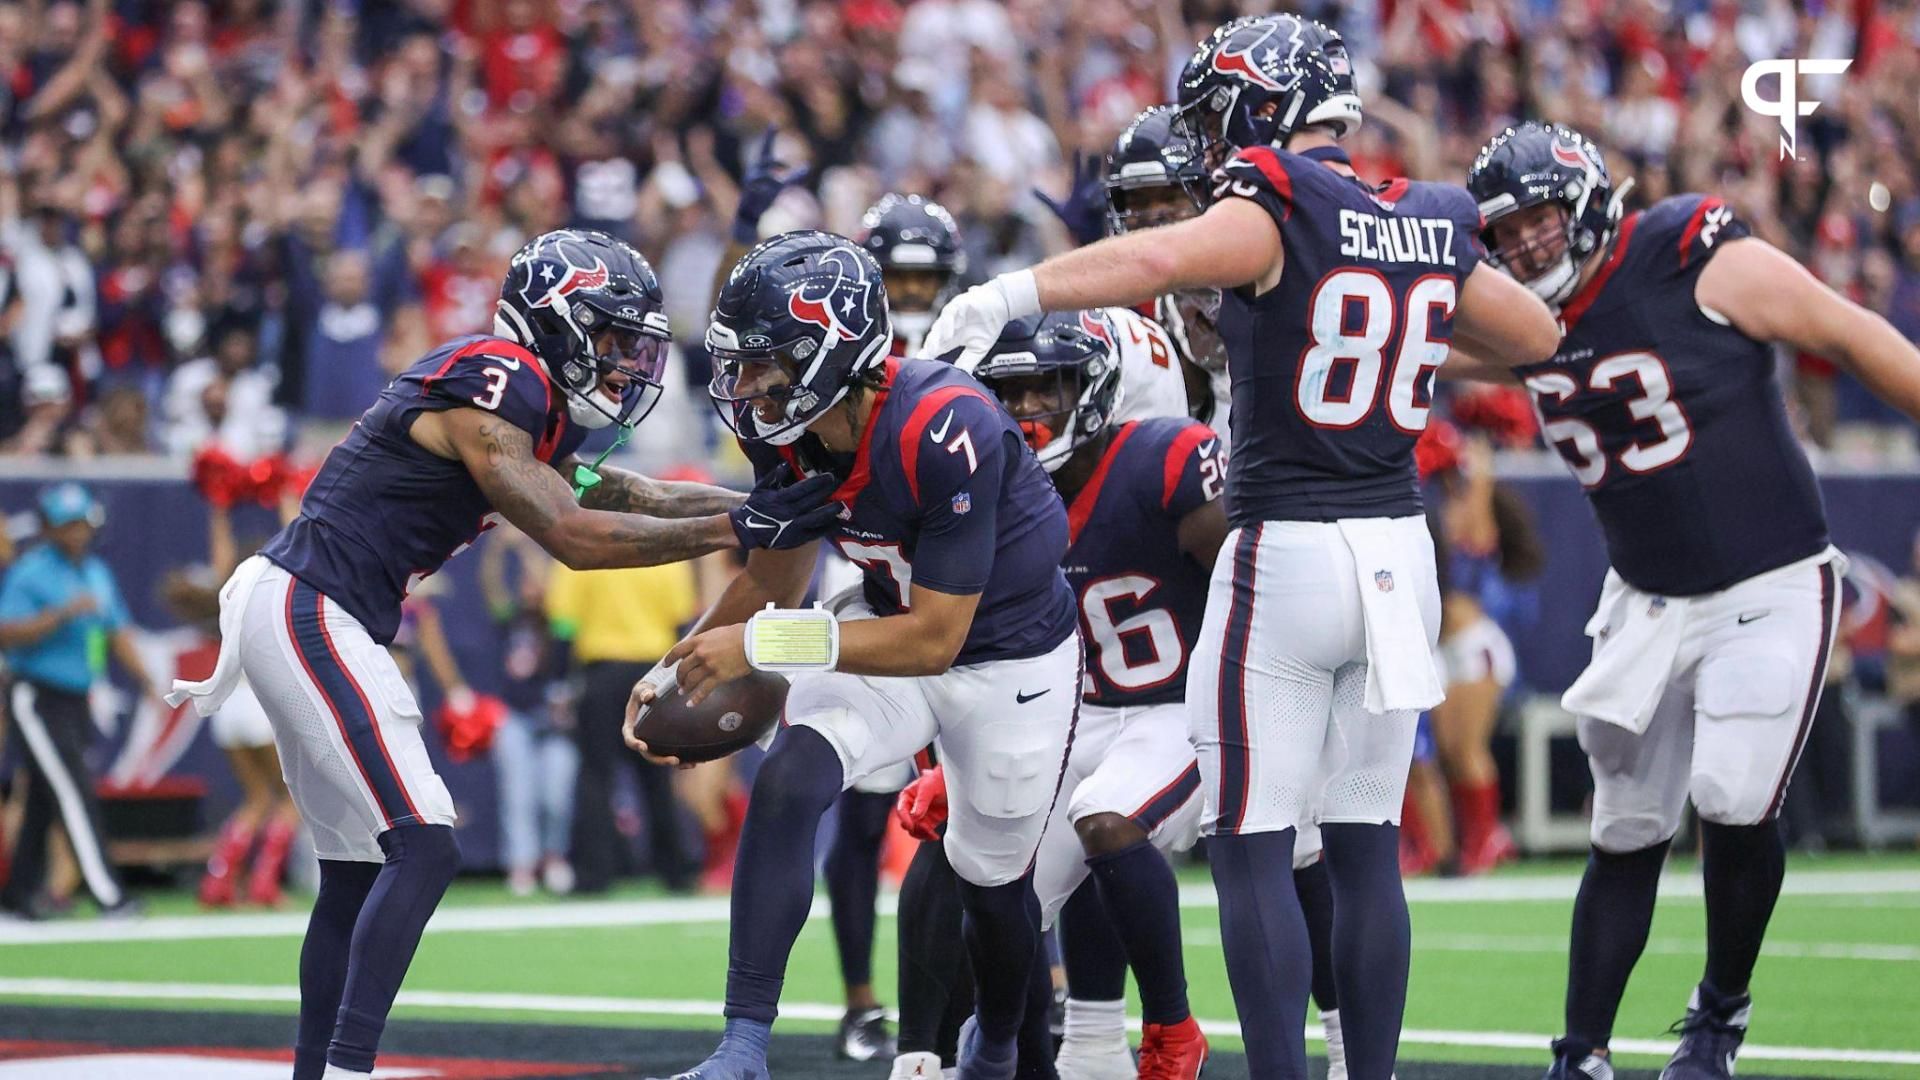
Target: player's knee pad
{"x":429,"y":852}
{"x":1628,"y":833}
{"x":974,"y":865}
{"x":1723,"y":801}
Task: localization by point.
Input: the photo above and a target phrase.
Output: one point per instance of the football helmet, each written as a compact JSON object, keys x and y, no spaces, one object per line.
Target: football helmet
{"x":568,"y":287}
{"x":918,"y":247}
{"x":1061,"y":372}
{"x":800,"y":318}
{"x":1154,"y":154}
{"x":1536,"y":164}
{"x":1297,"y":66}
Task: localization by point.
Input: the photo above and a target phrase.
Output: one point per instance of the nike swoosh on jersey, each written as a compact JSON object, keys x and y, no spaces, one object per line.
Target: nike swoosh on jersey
{"x":511,"y":363}
{"x":1206,"y":448}
{"x":1022,"y":699}
{"x":945,"y":423}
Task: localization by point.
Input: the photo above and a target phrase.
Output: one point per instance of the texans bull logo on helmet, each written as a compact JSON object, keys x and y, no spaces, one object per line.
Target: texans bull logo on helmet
{"x":1573,"y":156}
{"x":1259,"y":55}
{"x":1096,"y":326}
{"x":560,"y":272}
{"x":841,"y":307}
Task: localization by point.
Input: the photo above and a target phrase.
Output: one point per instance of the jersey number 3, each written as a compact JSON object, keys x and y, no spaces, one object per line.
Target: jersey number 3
{"x":496,"y":388}
{"x":1351,"y":319}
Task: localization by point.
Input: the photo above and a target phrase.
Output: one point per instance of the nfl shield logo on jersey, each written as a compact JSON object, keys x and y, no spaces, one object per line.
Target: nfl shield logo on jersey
{"x":963,"y":502}
{"x":1383,"y":580}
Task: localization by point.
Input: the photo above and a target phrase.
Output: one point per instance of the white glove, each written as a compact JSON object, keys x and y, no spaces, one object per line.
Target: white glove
{"x":972,"y":321}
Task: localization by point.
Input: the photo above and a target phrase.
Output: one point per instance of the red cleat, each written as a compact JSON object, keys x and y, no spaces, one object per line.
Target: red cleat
{"x":1173,"y":1051}
{"x":269,"y":864}
{"x":222,"y":879}
{"x":1495,"y":847}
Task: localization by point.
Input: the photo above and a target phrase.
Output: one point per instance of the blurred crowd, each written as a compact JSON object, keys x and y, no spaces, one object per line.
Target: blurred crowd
{"x":233,"y":220}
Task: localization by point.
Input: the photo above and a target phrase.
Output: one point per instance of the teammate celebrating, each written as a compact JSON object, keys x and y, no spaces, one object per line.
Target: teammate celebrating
{"x":921,"y":260}
{"x":1716,"y":622}
{"x":481,"y":426}
{"x":959,"y":535}
{"x":1145,"y":522}
{"x":1155,"y":177}
{"x":1340,"y":301}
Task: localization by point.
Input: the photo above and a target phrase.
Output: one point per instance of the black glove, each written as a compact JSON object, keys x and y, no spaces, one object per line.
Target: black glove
{"x":780,"y":513}
{"x":1084,"y":210}
{"x":765,"y":179}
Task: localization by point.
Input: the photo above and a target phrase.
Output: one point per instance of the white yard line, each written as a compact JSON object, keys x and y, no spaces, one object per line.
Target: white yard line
{"x":1895,"y":885}
{"x":1208,"y":937}
{"x":566,"y":1003}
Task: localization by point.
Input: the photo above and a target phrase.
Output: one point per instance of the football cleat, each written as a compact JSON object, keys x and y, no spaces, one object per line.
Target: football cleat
{"x":864,"y":1035}
{"x":1710,"y":1038}
{"x":980,"y":1060}
{"x":921,"y":1066}
{"x":1173,"y":1051}
{"x":1578,"y":1063}
{"x":1096,"y":1059}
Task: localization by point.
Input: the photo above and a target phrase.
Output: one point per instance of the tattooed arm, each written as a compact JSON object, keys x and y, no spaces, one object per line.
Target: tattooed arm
{"x":632,"y":493}
{"x":530,"y":493}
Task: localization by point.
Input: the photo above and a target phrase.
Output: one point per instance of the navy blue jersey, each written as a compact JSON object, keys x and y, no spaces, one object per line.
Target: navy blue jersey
{"x":945,"y":495}
{"x":383,"y":511}
{"x":1332,"y":369}
{"x":1673,"y":421}
{"x":1141,"y":597}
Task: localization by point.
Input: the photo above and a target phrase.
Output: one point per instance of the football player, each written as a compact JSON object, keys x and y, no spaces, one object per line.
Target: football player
{"x":1316,"y":655}
{"x":1717,"y":619}
{"x":1145,"y":522}
{"x":481,"y":428}
{"x":1155,"y":177}
{"x":973,"y":643}
{"x":918,"y":247}
{"x":921,"y":260}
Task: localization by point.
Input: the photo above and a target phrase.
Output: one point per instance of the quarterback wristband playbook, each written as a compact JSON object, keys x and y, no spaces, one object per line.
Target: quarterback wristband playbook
{"x":793,"y":639}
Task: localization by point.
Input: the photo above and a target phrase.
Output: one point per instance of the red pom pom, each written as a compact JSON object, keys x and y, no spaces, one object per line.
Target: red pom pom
{"x":1438,"y":450}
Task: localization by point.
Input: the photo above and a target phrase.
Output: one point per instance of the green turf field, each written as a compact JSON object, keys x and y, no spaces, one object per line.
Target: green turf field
{"x":1837,"y":995}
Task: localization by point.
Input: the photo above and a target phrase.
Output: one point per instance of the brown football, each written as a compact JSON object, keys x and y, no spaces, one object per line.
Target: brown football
{"x":733,"y":717}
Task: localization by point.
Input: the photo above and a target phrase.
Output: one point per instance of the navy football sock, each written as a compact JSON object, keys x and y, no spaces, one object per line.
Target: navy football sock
{"x":796,"y":784}
{"x":1372,"y":943}
{"x":421,"y":863}
{"x":323,"y":959}
{"x":1096,"y":959}
{"x":853,"y":879}
{"x":1743,"y":866}
{"x":1611,"y":917}
{"x":1315,"y":887}
{"x":1002,"y":922}
{"x":1265,"y":938}
{"x":1036,"y":1027}
{"x":1143,"y":900}
{"x":936,"y":986}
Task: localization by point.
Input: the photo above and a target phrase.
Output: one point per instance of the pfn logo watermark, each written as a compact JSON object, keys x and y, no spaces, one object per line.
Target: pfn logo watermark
{"x":1787,"y":107}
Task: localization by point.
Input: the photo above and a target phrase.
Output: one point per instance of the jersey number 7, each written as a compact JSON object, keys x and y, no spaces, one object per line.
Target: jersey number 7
{"x":1351,"y":320}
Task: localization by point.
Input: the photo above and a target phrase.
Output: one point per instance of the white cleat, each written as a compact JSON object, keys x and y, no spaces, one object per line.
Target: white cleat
{"x":1095,"y":1059}
{"x":918,"y":1067}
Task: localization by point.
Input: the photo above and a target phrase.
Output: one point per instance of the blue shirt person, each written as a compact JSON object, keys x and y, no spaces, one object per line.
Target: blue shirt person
{"x":60,"y":616}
